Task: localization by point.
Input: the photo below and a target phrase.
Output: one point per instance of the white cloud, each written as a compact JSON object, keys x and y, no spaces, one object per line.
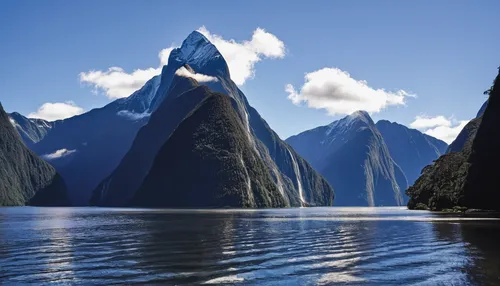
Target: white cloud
{"x":337,"y":92}
{"x":423,"y":122}
{"x":133,"y":115}
{"x":446,"y":129}
{"x":241,"y":57}
{"x":117,"y":83}
{"x":12,"y":121}
{"x":57,"y":110}
{"x":184,"y":72}
{"x":58,"y":154}
{"x":164,"y":54}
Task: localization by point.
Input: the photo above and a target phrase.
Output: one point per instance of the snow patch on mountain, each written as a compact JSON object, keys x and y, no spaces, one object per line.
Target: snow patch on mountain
{"x":196,"y":50}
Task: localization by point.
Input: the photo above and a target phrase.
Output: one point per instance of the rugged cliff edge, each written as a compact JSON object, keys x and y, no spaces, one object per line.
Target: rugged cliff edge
{"x":208,"y":162}
{"x":25,"y":179}
{"x":465,"y":177}
{"x":298,"y":184}
{"x":353,"y":157}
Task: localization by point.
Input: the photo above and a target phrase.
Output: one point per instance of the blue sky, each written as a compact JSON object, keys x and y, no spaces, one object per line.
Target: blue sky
{"x":444,"y":52}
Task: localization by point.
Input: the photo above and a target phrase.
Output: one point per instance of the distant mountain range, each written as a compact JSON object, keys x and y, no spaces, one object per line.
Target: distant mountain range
{"x":107,"y":154}
{"x":368,"y":164}
{"x":189,"y":138}
{"x":179,"y":99}
{"x":26,"y":179}
{"x":86,"y":148}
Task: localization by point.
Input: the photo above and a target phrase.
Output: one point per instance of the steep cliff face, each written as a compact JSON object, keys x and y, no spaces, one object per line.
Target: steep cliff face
{"x":411,"y":149}
{"x":86,"y":148}
{"x":468,"y":132}
{"x":208,"y":162}
{"x":31,"y":130}
{"x":353,"y":157}
{"x":481,"y":188}
{"x":465,"y":176}
{"x":119,"y":188}
{"x":297,"y":182}
{"x":25,"y":179}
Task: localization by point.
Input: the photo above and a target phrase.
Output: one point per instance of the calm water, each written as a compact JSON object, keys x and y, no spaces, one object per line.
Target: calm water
{"x":356,"y":246}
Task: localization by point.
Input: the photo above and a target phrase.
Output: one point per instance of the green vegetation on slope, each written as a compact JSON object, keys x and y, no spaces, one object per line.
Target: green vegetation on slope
{"x":209,"y":162}
{"x":25,"y":178}
{"x":467,"y":178}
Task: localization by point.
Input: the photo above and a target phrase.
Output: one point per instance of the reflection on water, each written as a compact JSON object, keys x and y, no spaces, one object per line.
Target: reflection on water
{"x":319,"y":246}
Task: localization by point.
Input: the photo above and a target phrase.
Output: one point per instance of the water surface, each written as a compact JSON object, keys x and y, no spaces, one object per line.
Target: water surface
{"x":307,"y":246}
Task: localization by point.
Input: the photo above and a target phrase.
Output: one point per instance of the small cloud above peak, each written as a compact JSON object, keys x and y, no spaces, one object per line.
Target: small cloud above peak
{"x":242,"y":56}
{"x":336,"y":91}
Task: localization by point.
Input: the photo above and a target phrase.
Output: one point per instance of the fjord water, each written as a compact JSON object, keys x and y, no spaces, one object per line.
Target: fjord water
{"x":307,"y":246}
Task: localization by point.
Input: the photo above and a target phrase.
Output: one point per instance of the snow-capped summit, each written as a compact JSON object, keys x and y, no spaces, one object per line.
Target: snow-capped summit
{"x":345,"y":123}
{"x":203,"y":58}
{"x":181,"y":90}
{"x":200,"y":54}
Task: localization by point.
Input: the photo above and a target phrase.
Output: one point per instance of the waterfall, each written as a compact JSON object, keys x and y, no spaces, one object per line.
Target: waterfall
{"x":249,"y":182}
{"x":249,"y":134}
{"x":297,"y":176}
{"x":104,"y":190}
{"x":278,"y":178}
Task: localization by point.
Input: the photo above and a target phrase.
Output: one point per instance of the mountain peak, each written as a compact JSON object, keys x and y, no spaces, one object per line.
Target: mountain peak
{"x":199,"y":53}
{"x":348,"y":121}
{"x":360,"y":114}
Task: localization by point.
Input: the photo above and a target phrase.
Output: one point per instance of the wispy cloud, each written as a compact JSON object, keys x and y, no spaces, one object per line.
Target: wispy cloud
{"x":337,"y":92}
{"x":423,"y":122}
{"x":58,"y":154}
{"x":117,"y":83}
{"x":446,"y":129}
{"x":242,"y":56}
{"x":133,"y":115}
{"x":184,"y":72}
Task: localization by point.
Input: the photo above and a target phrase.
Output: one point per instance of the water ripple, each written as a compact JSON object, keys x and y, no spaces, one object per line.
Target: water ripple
{"x":320,"y":246}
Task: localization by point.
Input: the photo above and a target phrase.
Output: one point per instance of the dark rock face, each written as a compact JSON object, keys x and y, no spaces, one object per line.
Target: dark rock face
{"x":411,"y":149}
{"x":440,"y":185}
{"x":298,"y":184}
{"x":469,"y":131}
{"x":119,"y":188}
{"x":25,"y":179}
{"x":208,"y":162}
{"x":482,"y":109}
{"x":481,"y":188}
{"x":465,"y":176}
{"x":354,"y":158}
{"x":465,"y":136}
